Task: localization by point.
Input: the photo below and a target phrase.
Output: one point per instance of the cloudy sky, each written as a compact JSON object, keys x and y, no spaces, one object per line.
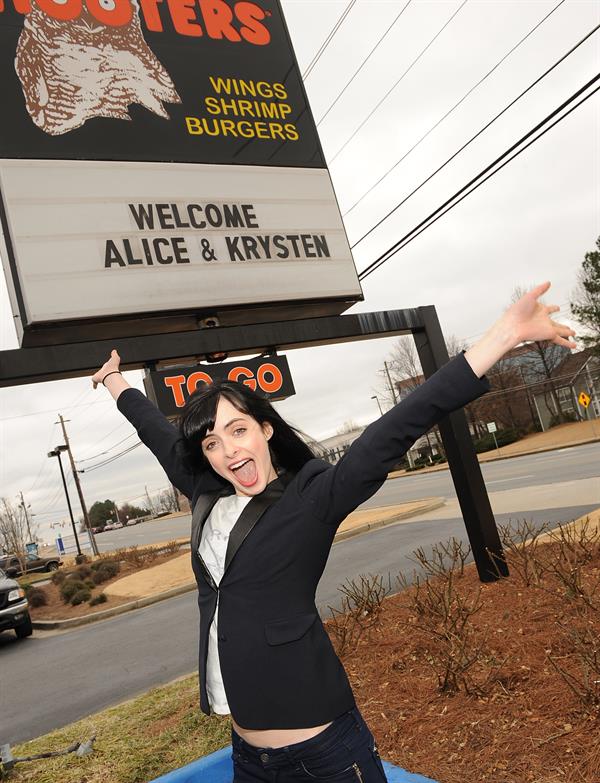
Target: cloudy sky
{"x":532,"y":221}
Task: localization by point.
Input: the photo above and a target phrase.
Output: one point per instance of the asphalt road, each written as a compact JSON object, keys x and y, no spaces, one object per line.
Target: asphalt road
{"x":53,"y":679}
{"x":547,"y":469}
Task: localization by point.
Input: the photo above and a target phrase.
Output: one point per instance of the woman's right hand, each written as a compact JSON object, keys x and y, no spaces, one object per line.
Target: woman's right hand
{"x":112,"y":365}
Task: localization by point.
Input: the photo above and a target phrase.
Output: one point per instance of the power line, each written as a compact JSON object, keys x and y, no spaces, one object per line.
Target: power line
{"x":53,"y":410}
{"x":456,"y":105}
{"x":328,"y":40}
{"x":485,"y":127}
{"x":448,"y":205}
{"x":397,"y":82}
{"x":118,"y":443}
{"x":110,"y":459}
{"x":364,"y":62}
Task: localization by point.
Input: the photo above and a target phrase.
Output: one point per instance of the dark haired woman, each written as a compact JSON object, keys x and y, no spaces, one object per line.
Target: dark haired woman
{"x":265,"y":513}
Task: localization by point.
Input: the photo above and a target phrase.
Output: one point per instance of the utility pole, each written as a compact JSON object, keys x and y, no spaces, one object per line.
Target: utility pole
{"x":86,"y":518}
{"x":24,"y":507}
{"x":391,"y":385}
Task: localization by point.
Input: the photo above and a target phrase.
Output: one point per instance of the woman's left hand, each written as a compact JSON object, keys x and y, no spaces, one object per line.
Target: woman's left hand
{"x":526,"y":320}
{"x":529,"y":319}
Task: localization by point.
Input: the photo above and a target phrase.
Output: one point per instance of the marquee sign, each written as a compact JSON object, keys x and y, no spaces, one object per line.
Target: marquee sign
{"x":170,"y":388}
{"x":160,"y":159}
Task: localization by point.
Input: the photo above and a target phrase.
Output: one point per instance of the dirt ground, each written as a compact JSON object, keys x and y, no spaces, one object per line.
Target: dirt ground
{"x":56,"y":609}
{"x":523,"y":721}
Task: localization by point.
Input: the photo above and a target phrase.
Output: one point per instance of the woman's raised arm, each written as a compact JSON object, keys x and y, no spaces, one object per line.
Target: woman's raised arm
{"x":154,"y":429}
{"x":335,"y":492}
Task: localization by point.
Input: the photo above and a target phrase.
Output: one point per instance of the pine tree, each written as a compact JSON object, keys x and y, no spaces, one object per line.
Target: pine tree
{"x":586,"y":299}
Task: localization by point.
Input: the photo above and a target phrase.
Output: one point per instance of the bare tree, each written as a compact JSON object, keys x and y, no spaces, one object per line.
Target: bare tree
{"x":168,"y":500}
{"x":540,"y":364}
{"x":13,"y":529}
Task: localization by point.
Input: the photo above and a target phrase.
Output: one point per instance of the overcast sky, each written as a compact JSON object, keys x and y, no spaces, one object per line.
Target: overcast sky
{"x":533,"y":221}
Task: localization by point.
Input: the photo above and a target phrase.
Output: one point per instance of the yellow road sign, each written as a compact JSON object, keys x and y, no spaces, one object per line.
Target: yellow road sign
{"x":584,"y":399}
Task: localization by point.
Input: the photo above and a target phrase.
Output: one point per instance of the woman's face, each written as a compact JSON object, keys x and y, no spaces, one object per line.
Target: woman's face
{"x":238,"y":449}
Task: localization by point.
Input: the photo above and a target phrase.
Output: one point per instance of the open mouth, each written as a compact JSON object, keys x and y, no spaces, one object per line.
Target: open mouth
{"x":245,"y":472}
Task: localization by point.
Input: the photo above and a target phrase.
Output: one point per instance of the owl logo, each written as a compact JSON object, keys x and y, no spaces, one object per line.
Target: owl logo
{"x":74,"y":69}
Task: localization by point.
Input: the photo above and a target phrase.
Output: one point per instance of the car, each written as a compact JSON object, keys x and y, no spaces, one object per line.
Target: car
{"x":131,"y":522}
{"x":29,"y":563}
{"x":117,"y":525}
{"x":96,"y":530}
{"x":14,"y":607}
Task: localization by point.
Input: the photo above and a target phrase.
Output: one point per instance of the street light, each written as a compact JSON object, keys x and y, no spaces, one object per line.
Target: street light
{"x":56,"y":453}
{"x":375,"y":397}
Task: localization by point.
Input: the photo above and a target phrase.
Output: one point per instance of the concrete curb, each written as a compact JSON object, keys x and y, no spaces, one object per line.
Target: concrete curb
{"x":50,"y":625}
{"x":444,"y":466}
{"x":429,"y":504}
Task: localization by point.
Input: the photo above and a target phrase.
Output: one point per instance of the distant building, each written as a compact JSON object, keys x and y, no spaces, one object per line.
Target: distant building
{"x":578,"y":372}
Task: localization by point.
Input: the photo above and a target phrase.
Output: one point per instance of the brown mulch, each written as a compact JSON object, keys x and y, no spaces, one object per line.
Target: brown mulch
{"x":56,"y":609}
{"x":524,"y":725}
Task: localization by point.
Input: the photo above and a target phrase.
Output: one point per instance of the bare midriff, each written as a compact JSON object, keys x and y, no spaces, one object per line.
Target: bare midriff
{"x":277,"y":738}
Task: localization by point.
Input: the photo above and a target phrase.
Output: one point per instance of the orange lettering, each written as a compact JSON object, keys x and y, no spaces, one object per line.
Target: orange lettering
{"x":175,"y":382}
{"x":251,"y":16}
{"x":276,"y":382}
{"x":184,"y":17}
{"x":151,"y":15}
{"x":195,"y":378}
{"x":236,"y":372}
{"x":217,"y":20}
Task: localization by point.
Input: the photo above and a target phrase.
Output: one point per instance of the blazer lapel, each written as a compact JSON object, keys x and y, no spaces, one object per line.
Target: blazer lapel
{"x":202,"y":509}
{"x":251,"y":514}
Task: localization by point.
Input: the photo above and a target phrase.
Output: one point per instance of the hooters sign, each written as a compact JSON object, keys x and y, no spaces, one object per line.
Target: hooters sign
{"x":171,"y":388}
{"x":159,"y":160}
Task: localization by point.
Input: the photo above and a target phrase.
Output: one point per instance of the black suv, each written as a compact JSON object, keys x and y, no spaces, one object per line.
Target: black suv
{"x":14,"y":609}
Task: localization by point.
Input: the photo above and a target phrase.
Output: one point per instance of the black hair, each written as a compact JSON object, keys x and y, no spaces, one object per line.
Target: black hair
{"x":288,"y":451}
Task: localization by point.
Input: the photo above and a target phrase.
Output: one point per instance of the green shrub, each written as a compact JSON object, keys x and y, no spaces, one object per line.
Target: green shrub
{"x":80,"y":597}
{"x":81,"y":559}
{"x":84,"y":571}
{"x":106,"y":572}
{"x":90,"y":584}
{"x":27,"y":587}
{"x":69,"y":588}
{"x":58,"y":577}
{"x":98,"y":599}
{"x":105,"y":561}
{"x":37,"y":597}
{"x":503,"y":438}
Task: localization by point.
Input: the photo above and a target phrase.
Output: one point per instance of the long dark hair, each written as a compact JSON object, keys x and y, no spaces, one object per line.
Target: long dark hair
{"x":288,"y":451}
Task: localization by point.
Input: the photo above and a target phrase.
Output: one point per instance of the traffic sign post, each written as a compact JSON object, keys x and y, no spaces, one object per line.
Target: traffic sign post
{"x":491,"y":427}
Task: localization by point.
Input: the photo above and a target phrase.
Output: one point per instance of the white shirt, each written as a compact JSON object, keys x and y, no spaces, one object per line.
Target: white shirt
{"x":212,"y":549}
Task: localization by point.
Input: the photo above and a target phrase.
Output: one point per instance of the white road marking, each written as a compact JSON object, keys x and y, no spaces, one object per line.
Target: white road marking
{"x":515,"y":478}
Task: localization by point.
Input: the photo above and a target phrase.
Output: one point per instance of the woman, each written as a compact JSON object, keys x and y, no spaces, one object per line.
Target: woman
{"x":265,"y":513}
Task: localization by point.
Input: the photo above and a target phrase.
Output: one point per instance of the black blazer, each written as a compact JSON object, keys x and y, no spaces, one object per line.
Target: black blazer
{"x":278,"y":665}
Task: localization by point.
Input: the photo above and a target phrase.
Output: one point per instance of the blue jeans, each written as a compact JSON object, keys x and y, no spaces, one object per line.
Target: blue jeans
{"x":344,"y":752}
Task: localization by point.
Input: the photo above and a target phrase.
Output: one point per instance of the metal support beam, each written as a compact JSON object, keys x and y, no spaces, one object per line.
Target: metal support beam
{"x":55,"y":362}
{"x":462,"y":461}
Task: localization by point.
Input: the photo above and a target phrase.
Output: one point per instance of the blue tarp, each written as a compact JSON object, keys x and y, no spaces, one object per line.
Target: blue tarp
{"x":218,"y":768}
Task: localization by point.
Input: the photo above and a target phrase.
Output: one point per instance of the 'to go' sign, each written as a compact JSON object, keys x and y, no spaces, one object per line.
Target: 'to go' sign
{"x":171,"y":388}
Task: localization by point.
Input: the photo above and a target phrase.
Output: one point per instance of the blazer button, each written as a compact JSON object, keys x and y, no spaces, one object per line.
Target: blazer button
{"x":264,"y":757}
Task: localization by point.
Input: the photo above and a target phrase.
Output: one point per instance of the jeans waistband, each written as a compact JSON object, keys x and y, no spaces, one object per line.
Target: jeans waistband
{"x":325,"y":739}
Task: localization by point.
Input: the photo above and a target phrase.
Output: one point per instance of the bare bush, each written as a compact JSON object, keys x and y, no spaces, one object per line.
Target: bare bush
{"x":521,"y":544}
{"x":584,"y":678}
{"x":361,"y":608}
{"x":446,"y":556}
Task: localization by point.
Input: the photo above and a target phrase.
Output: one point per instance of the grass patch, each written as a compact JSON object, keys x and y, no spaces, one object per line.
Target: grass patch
{"x":135,"y":742}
